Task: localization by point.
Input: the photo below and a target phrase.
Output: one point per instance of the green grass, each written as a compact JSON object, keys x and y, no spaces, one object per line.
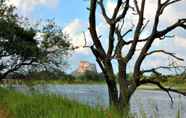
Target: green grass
{"x":19,"y":105}
{"x":47,"y":106}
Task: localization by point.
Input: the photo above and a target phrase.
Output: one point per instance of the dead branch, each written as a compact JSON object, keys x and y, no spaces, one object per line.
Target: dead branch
{"x":167,"y":90}
{"x":136,"y":6}
{"x":117,"y":8}
{"x":167,"y":3}
{"x":131,"y":41}
{"x":180,"y":23}
{"x":137,"y":31}
{"x":142,"y":29}
{"x":108,"y":20}
{"x":154,"y":70}
{"x":124,"y":12}
{"x":85,"y":40}
{"x":156,"y":34}
{"x":165,"y":52}
{"x":15,"y":67}
{"x":92,"y":29}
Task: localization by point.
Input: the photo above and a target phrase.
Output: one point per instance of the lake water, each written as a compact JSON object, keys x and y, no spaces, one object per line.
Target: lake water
{"x":148,"y":101}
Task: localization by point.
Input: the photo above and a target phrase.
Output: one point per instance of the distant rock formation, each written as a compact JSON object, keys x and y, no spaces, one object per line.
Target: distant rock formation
{"x":84,"y":66}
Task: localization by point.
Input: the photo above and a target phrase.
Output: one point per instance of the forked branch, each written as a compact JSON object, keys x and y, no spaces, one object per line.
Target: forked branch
{"x":180,"y":23}
{"x":165,"y":52}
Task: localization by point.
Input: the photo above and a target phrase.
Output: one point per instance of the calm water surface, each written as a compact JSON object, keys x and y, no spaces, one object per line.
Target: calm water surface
{"x":148,"y":101}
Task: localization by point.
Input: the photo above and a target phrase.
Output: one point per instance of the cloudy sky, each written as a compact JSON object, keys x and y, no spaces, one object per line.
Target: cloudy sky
{"x":72,"y":15}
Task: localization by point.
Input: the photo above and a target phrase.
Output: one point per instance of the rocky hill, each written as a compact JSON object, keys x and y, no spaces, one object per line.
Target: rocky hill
{"x":84,"y":66}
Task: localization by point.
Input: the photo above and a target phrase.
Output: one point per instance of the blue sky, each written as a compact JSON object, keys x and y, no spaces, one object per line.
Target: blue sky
{"x":72,"y":15}
{"x":65,"y":12}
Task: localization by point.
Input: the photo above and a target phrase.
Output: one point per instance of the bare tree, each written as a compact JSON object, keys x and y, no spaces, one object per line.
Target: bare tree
{"x":119,"y":98}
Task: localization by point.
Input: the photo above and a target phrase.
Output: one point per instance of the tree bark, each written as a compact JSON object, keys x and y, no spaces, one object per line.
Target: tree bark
{"x":119,"y":98}
{"x":113,"y":93}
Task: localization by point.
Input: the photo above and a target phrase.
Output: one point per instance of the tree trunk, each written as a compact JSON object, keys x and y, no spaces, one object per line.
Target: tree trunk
{"x":124,"y":98}
{"x":119,"y":98}
{"x":113,"y":93}
{"x":118,"y":103}
{"x":111,"y":83}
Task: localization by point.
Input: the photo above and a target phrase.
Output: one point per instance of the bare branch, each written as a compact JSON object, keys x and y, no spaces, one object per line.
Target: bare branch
{"x":111,"y":40}
{"x":131,"y":41}
{"x":85,"y":39}
{"x":113,"y":24}
{"x":154,"y":70}
{"x":168,"y":90}
{"x":121,"y":42}
{"x":123,"y":21}
{"x":144,"y":26}
{"x":104,"y":12}
{"x":167,"y":36}
{"x":165,"y":52}
{"x":128,"y":31}
{"x":16,"y":67}
{"x":156,"y":34}
{"x":117,"y":8}
{"x":160,"y":9}
{"x":180,"y":23}
{"x":167,"y":3}
{"x":136,"y":6}
{"x":137,"y":31}
{"x":124,"y":12}
{"x":119,"y":45}
{"x":92,"y":28}
{"x":157,"y":16}
{"x":118,"y":32}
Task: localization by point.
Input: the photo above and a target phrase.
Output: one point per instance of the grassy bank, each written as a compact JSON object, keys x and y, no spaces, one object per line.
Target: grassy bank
{"x":51,"y":81}
{"x":179,"y":85}
{"x":17,"y":105}
{"x":172,"y":83}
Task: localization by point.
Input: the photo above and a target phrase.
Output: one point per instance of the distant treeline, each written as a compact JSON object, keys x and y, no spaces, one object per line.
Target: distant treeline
{"x":56,"y":75}
{"x":89,"y":76}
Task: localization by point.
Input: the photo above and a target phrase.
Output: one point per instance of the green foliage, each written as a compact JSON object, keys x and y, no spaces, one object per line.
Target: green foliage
{"x":15,"y":39}
{"x":183,"y":75}
{"x":21,"y":46}
{"x":47,"y":75}
{"x":36,"y":105}
{"x":56,"y":45}
{"x":90,"y":76}
{"x":48,"y":106}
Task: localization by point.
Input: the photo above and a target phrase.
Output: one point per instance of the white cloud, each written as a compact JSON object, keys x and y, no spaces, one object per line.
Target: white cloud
{"x":110,"y":6}
{"x":180,"y":42}
{"x":74,"y":27}
{"x":78,"y":33}
{"x":75,"y":31}
{"x":27,"y":6}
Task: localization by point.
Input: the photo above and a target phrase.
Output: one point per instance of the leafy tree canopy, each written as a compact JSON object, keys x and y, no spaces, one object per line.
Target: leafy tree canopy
{"x":23,"y":44}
